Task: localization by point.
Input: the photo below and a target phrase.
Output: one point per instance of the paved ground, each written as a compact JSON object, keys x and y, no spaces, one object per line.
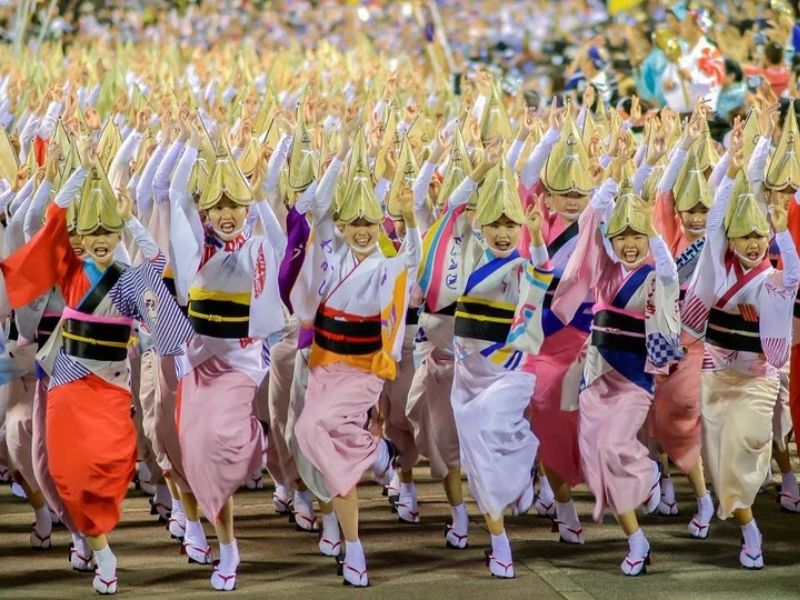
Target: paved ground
{"x":410,"y":562}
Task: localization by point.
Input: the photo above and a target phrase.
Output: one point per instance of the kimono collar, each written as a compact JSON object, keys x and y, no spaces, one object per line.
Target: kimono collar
{"x":375,"y":255}
{"x":228,"y":246}
{"x":92,"y":271}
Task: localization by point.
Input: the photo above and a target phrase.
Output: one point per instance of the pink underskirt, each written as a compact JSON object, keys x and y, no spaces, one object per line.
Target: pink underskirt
{"x":220,"y":438}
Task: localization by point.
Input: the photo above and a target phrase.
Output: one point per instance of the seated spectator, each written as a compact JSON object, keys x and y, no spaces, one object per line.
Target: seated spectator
{"x":733,"y":90}
{"x":773,"y":70}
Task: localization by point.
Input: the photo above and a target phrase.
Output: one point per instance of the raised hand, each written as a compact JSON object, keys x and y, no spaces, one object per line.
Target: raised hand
{"x":692,"y":131}
{"x":92,"y":118}
{"x":767,"y":118}
{"x":658,"y":146}
{"x":589,"y":97}
{"x":374,"y":140}
{"x":533,"y":217}
{"x":124,"y":204}
{"x":526,"y":124}
{"x":391,"y":163}
{"x":484,"y":83}
{"x":494,"y":153}
{"x":636,"y":110}
{"x":411,"y":112}
{"x":778,"y":216}
{"x":87,"y":152}
{"x":143,"y":119}
{"x":257,"y":180}
{"x":555,"y":118}
{"x":736,"y":150}
{"x":440,"y":146}
{"x":390,"y":90}
{"x":51,"y":163}
{"x":245,"y":133}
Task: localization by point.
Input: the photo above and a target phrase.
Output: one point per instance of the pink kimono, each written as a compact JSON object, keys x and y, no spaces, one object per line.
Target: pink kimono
{"x":674,"y":419}
{"x":556,"y":428}
{"x":634,"y":331}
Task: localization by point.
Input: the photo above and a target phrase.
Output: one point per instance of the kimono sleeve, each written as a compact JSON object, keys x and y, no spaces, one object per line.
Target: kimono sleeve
{"x":776,"y":308}
{"x":141,"y":294}
{"x":42,"y":262}
{"x":666,"y":219}
{"x":710,"y":270}
{"x":589,"y":260}
{"x":266,"y":309}
{"x":185,"y":227}
{"x":393,"y":293}
{"x":662,"y":321}
{"x":526,"y":329}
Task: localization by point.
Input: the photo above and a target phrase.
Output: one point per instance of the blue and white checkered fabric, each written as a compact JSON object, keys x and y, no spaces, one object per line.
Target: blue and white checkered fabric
{"x":662,"y":351}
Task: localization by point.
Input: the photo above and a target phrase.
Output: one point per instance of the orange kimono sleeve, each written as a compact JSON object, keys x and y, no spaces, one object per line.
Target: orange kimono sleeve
{"x":42,"y":262}
{"x":667,"y":221}
{"x":794,"y":362}
{"x":793,"y":225}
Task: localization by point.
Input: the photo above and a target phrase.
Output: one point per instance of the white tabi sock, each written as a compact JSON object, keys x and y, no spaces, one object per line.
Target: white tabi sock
{"x":330,"y":527}
{"x":354,"y":555}
{"x":382,"y":458}
{"x":501,"y":548}
{"x":106,"y":563}
{"x":751,"y":534}
{"x":408,"y":490}
{"x":162,"y":495}
{"x":195,"y":534}
{"x":144,"y":473}
{"x":568,"y":514}
{"x":281,"y":493}
{"x":229,"y":557}
{"x":789,"y":485}
{"x":44,"y":522}
{"x":638,"y":544}
{"x":81,"y":545}
{"x":460,"y":518}
{"x":545,"y":491}
{"x":177,"y":511}
{"x":304,"y":499}
{"x":705,"y":507}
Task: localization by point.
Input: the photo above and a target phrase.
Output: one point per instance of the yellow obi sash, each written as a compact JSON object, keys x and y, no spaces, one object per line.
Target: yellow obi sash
{"x":219,"y":314}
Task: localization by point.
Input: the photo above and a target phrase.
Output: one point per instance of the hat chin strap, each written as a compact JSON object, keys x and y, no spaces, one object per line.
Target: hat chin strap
{"x":227,"y":237}
{"x":635,"y":265}
{"x":364,"y":251}
{"x":747,"y":261}
{"x":109,"y":258}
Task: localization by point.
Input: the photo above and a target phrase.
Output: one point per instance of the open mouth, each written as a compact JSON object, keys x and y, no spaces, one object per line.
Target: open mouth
{"x":502,"y":246}
{"x":227,"y":227}
{"x":753,"y":255}
{"x":631,"y":256}
{"x":362,"y":241}
{"x":100,"y":251}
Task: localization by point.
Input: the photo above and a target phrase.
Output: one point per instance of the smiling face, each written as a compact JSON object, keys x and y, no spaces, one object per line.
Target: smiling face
{"x":362,"y":236}
{"x":631,"y":247}
{"x":227,"y":218}
{"x":694,"y":222}
{"x":501,"y":236}
{"x":569,"y":207}
{"x":100,"y":245}
{"x":750,"y":249}
{"x":77,"y":245}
